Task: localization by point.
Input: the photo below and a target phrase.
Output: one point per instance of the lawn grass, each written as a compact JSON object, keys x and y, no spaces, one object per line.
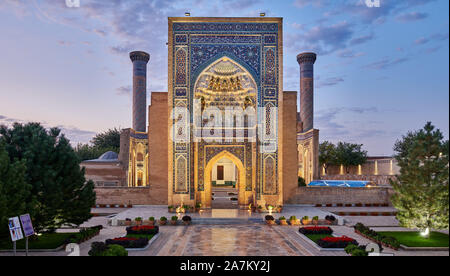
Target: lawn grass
{"x":46,"y":241}
{"x":149,"y":237}
{"x":316,"y":237}
{"x":414,"y":239}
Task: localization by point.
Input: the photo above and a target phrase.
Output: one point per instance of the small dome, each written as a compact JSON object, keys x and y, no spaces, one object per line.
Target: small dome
{"x":109,"y":155}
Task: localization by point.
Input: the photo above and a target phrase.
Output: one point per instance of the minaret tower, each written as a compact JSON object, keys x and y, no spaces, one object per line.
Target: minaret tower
{"x":140,"y":60}
{"x":307,"y":137}
{"x":306,"y":62}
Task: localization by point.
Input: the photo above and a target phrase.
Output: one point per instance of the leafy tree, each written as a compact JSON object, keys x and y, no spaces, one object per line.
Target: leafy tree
{"x":14,"y":191}
{"x":88,"y":152}
{"x":59,"y":190}
{"x":327,"y":155}
{"x":101,"y":143}
{"x":107,"y":139}
{"x":421,"y":190}
{"x":350,"y":155}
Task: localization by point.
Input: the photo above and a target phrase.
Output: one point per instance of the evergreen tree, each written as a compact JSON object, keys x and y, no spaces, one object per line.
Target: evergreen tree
{"x":59,"y":189}
{"x":14,"y":191}
{"x":350,"y":155}
{"x":327,"y":155}
{"x":422,"y":191}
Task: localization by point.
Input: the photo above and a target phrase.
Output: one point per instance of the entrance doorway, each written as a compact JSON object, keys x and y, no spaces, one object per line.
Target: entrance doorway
{"x":225,"y":181}
{"x":224,"y":190}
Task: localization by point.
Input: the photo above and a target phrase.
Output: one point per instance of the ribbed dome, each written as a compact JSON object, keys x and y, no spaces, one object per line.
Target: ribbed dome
{"x":109,"y":155}
{"x":225,"y":68}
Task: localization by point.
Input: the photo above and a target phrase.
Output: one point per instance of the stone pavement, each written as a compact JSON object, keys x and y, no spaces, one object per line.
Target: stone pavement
{"x":249,"y":240}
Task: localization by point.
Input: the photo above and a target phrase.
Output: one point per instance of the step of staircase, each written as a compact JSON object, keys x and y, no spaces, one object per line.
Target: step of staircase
{"x":226,"y":221}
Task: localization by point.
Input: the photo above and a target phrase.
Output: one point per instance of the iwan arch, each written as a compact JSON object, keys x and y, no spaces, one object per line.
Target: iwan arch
{"x":225,"y":119}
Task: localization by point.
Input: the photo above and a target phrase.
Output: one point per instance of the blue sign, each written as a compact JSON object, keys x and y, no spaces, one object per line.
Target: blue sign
{"x":26,"y":225}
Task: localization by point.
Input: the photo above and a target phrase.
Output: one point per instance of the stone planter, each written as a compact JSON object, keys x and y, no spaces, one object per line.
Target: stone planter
{"x":270,"y":222}
{"x":283,"y":222}
{"x":294,"y":222}
{"x":186,"y":223}
{"x":173,"y":222}
{"x":138,"y":222}
{"x":162,"y":222}
{"x":306,"y":222}
{"x":150,"y":222}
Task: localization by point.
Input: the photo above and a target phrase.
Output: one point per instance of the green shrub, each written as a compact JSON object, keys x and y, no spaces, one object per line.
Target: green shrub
{"x":151,"y":218}
{"x":174,"y":218}
{"x":138,"y":219}
{"x":301,"y":182}
{"x":115,"y":250}
{"x":163,"y":219}
{"x":315,"y":218}
{"x":349,"y":249}
{"x":282,"y":218}
{"x":293,"y":218}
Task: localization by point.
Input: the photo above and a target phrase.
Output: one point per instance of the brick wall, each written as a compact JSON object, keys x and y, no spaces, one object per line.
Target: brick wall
{"x":337,"y":195}
{"x":123,"y":195}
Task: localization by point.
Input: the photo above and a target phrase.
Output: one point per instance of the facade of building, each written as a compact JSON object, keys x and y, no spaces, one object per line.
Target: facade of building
{"x":225,"y":120}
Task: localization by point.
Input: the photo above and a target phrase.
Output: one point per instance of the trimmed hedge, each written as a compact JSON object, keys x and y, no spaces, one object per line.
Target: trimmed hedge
{"x":341,"y":242}
{"x":376,"y":237}
{"x":142,"y":230}
{"x":128,"y":242}
{"x":316,"y":230}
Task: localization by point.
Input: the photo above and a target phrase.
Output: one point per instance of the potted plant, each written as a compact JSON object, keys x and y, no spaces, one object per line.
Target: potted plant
{"x":185,"y":209}
{"x":270,"y":208}
{"x":162,"y":221}
{"x":198,"y":206}
{"x":151,"y":221}
{"x":171,"y":209}
{"x":305,"y":220}
{"x":173,"y":220}
{"x":187,"y":220}
{"x":283,"y":221}
{"x":127,"y":222}
{"x":315,"y":220}
{"x":294,"y":221}
{"x":260,"y":209}
{"x":138,"y":221}
{"x":270,"y":220}
{"x":330,"y":219}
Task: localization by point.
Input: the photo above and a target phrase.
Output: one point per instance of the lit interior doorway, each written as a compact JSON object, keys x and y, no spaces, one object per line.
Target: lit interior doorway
{"x":224,"y":182}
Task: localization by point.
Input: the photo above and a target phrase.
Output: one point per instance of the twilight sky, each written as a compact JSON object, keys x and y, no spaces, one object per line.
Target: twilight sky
{"x":380,"y":71}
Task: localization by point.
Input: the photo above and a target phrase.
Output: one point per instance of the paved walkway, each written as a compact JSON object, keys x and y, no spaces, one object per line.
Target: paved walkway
{"x":249,"y":240}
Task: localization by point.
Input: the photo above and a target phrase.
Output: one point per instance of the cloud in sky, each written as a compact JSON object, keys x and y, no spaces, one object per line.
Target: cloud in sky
{"x":412,"y":16}
{"x":386,"y":63}
{"x":74,"y":134}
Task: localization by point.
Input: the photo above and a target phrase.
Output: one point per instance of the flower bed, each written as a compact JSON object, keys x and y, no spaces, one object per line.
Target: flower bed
{"x":143,"y":230}
{"x":336,"y":242}
{"x":128,"y":242}
{"x":368,"y":233}
{"x":316,"y":230}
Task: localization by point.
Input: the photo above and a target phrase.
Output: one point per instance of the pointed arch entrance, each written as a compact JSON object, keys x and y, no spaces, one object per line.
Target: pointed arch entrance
{"x":240,"y":181}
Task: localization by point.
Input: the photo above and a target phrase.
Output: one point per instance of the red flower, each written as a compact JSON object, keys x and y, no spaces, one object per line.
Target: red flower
{"x":143,"y":228}
{"x":125,"y":239}
{"x":317,"y":228}
{"x":338,"y":239}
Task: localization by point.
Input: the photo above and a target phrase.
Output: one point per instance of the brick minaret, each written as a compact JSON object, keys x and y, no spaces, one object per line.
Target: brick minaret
{"x":306,"y":62}
{"x":140,"y":60}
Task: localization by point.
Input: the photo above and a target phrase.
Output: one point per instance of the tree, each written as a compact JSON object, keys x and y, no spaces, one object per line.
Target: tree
{"x":327,"y":155}
{"x":421,"y":189}
{"x":107,"y":139}
{"x":101,"y":143}
{"x":14,"y":191}
{"x":59,"y":190}
{"x":350,"y":155}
